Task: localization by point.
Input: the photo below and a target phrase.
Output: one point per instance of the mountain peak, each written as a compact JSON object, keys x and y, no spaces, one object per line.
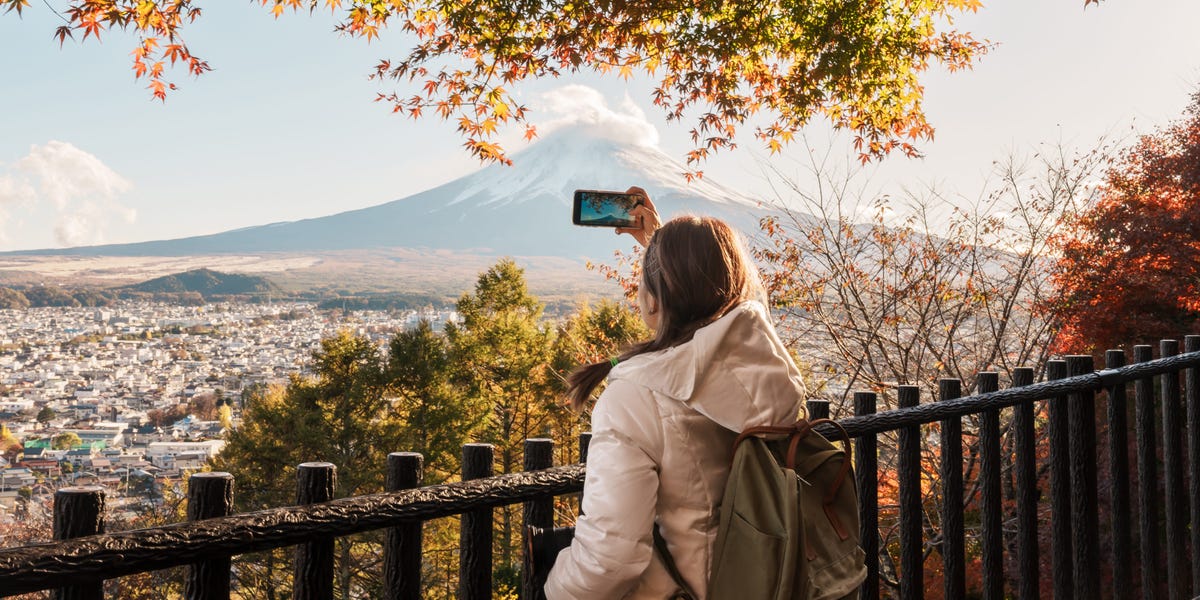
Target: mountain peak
{"x":581,"y":156}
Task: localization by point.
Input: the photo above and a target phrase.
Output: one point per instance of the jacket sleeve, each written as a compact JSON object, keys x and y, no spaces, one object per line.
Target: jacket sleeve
{"x":613,"y":539}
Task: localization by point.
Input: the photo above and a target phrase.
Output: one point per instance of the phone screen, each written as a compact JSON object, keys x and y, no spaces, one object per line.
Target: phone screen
{"x":595,"y":208}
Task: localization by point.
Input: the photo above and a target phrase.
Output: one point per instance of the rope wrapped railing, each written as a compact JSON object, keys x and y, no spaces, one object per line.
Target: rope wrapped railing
{"x":1163,"y":389}
{"x":931,"y":412}
{"x":50,"y":565}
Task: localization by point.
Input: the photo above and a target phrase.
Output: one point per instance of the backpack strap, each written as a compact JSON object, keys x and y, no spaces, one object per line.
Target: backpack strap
{"x":766,"y":430}
{"x":660,"y":544}
{"x":843,"y":472}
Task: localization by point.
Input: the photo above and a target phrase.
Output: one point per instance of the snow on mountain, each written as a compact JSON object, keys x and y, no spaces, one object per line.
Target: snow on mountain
{"x":581,"y":156}
{"x":523,"y":209}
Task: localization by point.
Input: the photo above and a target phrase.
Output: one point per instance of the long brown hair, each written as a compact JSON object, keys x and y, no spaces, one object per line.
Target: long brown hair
{"x":698,"y":269}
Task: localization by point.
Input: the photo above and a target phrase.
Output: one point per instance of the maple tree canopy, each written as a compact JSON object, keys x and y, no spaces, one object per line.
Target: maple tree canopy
{"x":1129,"y":271}
{"x":855,"y":62}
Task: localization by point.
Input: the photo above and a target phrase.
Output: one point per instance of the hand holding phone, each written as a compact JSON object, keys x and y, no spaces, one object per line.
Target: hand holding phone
{"x":629,"y":212}
{"x":647,"y":214}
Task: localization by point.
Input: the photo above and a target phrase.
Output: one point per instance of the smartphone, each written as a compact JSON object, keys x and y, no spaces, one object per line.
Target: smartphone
{"x":596,"y":208}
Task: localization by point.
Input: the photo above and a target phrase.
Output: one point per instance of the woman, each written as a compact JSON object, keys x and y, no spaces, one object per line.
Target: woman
{"x":663,"y":430}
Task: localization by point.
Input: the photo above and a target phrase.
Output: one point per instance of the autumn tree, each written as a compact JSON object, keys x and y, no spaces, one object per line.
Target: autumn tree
{"x":204,"y":406}
{"x":501,"y":359}
{"x":591,"y":334}
{"x":170,"y":507}
{"x":66,"y":441}
{"x":45,"y":415}
{"x":225,"y":416}
{"x":875,"y":292}
{"x":1130,"y":268}
{"x":259,"y":456}
{"x":438,"y":420}
{"x":34,"y":525}
{"x":13,"y":299}
{"x":49,"y":295}
{"x":857,"y":65}
{"x":342,"y":415}
{"x":10,"y":446}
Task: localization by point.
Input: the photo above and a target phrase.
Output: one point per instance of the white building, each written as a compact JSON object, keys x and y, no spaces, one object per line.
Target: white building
{"x":165,"y":454}
{"x":16,"y":406}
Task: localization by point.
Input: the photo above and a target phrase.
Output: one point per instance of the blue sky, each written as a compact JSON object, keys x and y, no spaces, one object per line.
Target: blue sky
{"x":285,"y":128}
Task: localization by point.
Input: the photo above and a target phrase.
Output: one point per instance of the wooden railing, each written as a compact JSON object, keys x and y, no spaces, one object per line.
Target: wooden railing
{"x":1165,"y":409}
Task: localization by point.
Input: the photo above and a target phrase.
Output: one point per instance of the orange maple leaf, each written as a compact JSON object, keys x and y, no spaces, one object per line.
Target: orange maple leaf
{"x":160,"y":89}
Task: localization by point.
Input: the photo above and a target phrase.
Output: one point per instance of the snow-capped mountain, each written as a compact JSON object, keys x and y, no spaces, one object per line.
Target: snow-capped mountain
{"x":524,"y":209}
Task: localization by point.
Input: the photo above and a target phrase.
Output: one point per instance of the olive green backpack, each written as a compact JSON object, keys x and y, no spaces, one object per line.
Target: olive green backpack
{"x":789,"y":524}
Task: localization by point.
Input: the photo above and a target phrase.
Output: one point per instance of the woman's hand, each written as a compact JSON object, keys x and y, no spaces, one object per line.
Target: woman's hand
{"x":646,"y":214}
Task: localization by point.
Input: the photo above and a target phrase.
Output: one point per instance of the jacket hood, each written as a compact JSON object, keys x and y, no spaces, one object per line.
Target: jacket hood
{"x":735,"y":371}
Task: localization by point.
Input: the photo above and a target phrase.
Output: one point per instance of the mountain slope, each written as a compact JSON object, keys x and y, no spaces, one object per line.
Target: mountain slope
{"x":524,"y":209}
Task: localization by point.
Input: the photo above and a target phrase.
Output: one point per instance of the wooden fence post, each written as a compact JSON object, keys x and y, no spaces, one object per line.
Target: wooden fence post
{"x":866,"y":469}
{"x":1025,"y":444}
{"x":209,"y":495}
{"x":1176,"y":505}
{"x":1062,"y":565}
{"x":539,"y":454}
{"x":1191,"y":378}
{"x":990,"y":500}
{"x":585,"y":440}
{"x":79,"y":512}
{"x":953,"y":534}
{"x":402,"y":544}
{"x":1147,"y":458}
{"x":1118,"y":474}
{"x":475,"y":532}
{"x":817,"y":409}
{"x":315,"y":483}
{"x":912,"y":543}
{"x":1085,"y":523}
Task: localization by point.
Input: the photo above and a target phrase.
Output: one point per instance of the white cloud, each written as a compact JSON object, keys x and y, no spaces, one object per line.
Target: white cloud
{"x":580,"y":105}
{"x":15,"y":192}
{"x":81,"y":190}
{"x":85,"y":222}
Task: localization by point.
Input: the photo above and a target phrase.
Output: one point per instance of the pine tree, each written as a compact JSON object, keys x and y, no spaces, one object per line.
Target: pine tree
{"x":590,"y":335}
{"x":501,"y":358}
{"x":342,"y":415}
{"x":436,"y":419}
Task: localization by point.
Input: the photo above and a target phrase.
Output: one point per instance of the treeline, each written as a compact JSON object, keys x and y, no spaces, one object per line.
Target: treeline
{"x":188,"y":288}
{"x":51,"y":295}
{"x":344,"y":300}
{"x":350,"y":301}
{"x":497,"y":377}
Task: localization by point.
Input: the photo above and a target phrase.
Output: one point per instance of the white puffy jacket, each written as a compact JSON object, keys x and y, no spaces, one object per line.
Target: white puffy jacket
{"x":662,"y":443}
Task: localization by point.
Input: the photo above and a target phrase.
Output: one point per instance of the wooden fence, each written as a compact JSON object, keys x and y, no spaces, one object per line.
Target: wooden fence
{"x":1166,"y":411}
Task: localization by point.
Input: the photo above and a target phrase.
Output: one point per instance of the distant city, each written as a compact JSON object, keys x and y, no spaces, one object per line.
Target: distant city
{"x":110,"y":396}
